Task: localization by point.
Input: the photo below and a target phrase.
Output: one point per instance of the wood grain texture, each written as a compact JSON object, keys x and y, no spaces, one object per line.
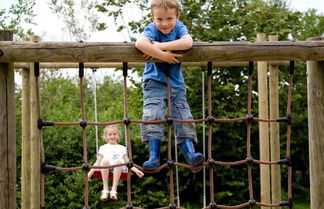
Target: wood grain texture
{"x":274,"y":130}
{"x":126,"y":52}
{"x":7,"y":131}
{"x":315,"y":91}
{"x":263,"y":127}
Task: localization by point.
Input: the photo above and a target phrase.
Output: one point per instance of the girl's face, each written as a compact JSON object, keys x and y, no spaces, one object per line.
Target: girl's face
{"x":165,"y":19}
{"x":112,"y":136}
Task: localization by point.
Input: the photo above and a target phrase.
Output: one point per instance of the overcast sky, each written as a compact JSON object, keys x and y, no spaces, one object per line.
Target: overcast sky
{"x":49,"y":26}
{"x":52,"y":32}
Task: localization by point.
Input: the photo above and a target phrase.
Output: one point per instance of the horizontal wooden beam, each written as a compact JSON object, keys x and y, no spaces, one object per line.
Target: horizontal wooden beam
{"x":137,"y":64}
{"x":126,"y":52}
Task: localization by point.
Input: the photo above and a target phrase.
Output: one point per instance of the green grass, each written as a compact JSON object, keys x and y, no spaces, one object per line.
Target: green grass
{"x":301,"y":206}
{"x":295,"y":206}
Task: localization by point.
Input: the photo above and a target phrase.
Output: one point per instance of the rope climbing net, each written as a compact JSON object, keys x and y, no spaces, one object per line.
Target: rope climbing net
{"x":210,"y":163}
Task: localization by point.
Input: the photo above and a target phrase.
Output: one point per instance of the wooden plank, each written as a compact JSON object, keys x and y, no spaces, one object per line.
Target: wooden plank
{"x":7,"y":131}
{"x":264,"y":127}
{"x":34,"y":144}
{"x":138,"y":64}
{"x":126,"y":52}
{"x":4,"y":175}
{"x":11,"y":108}
{"x":274,"y":131}
{"x":25,"y":145}
{"x":315,"y":91}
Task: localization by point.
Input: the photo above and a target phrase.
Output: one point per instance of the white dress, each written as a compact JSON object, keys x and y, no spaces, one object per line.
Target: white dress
{"x":114,"y":153}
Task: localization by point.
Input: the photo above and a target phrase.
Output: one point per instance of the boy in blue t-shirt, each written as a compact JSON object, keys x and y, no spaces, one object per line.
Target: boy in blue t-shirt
{"x":164,"y":34}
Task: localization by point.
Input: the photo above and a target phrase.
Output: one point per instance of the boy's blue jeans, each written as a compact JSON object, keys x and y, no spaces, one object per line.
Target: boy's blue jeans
{"x":154,"y":108}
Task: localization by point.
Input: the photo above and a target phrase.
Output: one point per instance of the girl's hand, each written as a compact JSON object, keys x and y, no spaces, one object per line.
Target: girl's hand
{"x":90,"y":175}
{"x":139,"y":173}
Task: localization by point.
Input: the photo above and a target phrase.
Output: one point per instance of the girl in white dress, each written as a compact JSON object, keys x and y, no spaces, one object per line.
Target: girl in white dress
{"x":112,"y":153}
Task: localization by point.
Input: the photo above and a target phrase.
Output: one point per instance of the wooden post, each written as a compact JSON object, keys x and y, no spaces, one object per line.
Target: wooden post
{"x":7,"y":131}
{"x":34,"y":145}
{"x":264,"y":127}
{"x":315,"y":91}
{"x":25,"y":145}
{"x":274,"y":131}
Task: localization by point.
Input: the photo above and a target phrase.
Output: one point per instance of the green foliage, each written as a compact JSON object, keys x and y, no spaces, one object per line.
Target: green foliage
{"x":220,"y":20}
{"x":79,"y":17}
{"x":312,"y":25}
{"x":16,"y":18}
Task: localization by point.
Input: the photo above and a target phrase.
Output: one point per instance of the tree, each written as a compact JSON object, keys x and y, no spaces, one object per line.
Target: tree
{"x":239,"y":20}
{"x":80,"y":17}
{"x":220,"y":20}
{"x":17,"y":17}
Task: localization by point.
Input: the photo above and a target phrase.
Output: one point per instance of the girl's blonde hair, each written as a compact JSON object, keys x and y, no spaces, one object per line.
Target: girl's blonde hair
{"x":109,"y":127}
{"x":166,"y":4}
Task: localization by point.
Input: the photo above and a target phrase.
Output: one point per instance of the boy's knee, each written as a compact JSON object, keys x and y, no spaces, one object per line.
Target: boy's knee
{"x":182,"y":111}
{"x":152,"y":109}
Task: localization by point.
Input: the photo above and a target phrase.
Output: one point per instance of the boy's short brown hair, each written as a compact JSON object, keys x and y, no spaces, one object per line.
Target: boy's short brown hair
{"x":166,"y":4}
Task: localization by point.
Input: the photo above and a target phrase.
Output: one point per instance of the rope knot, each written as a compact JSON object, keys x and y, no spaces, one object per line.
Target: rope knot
{"x":47,"y":168}
{"x":252,"y":203}
{"x":288,"y":203}
{"x":41,"y":123}
{"x":130,"y":164}
{"x":83,"y":123}
{"x":210,"y":119}
{"x":170,"y":121}
{"x":250,"y":118}
{"x":249,"y":160}
{"x":170,"y":163}
{"x":211,"y":162}
{"x":213,"y":205}
{"x":129,"y":206}
{"x":172,"y":206}
{"x":127,"y":121}
{"x":286,"y":161}
{"x":85,"y":167}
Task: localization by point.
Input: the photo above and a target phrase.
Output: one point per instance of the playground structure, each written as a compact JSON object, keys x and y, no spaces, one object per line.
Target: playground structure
{"x":311,"y":51}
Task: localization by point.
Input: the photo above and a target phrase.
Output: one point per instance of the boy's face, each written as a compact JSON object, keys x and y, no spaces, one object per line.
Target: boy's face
{"x":165,"y":19}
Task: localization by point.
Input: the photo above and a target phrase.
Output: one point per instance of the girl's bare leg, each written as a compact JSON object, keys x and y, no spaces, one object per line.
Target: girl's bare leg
{"x":117,"y":173}
{"x":104,"y":174}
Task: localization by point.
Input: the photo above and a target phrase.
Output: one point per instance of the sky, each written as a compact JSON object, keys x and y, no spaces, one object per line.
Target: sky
{"x":52,"y":32}
{"x":49,"y":27}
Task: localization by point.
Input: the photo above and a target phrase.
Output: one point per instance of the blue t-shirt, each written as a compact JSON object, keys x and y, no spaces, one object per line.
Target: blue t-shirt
{"x":157,"y":71}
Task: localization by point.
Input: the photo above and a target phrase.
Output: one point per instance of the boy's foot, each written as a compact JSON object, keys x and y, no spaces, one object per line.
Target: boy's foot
{"x":104,"y":195}
{"x":154,"y":150}
{"x":193,"y":158}
{"x":151,"y":164}
{"x":113,"y":195}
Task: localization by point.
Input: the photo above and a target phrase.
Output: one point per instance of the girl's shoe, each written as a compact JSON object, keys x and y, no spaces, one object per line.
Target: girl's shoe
{"x":113,"y":195}
{"x":104,"y":195}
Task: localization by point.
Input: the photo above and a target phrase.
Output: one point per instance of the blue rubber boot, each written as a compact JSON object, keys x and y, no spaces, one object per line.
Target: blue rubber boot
{"x":193,"y":158}
{"x":154,"y":161}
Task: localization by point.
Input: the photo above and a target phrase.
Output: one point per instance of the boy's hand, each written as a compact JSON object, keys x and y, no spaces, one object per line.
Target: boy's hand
{"x":148,"y":57}
{"x":170,"y":57}
{"x":158,"y":44}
